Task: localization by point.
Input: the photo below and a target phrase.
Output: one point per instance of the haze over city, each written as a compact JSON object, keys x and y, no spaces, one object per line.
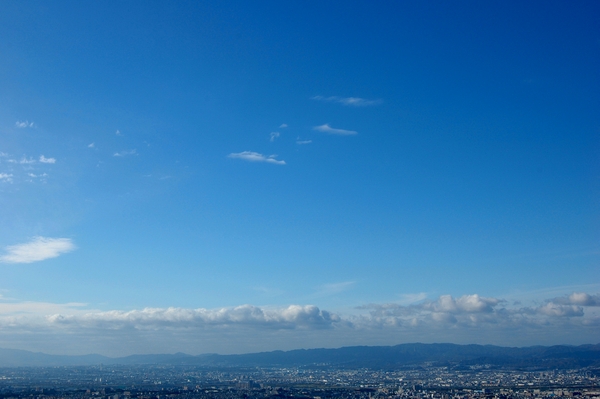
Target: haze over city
{"x":234,"y":177}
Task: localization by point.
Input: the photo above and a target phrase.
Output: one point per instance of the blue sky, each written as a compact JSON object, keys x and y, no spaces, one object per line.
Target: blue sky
{"x":250,"y":176}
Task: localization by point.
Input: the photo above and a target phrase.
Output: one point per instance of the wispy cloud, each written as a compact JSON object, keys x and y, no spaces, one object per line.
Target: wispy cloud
{"x":334,"y":288}
{"x":43,"y":159}
{"x":283,"y":126}
{"x":38,"y":249}
{"x":6,"y":177}
{"x":118,"y":133}
{"x":298,"y":141}
{"x":24,"y":124}
{"x":23,"y":161}
{"x":348,"y":101}
{"x":273,"y":136}
{"x":91,"y":145}
{"x":125,"y":153}
{"x":256,"y":157}
{"x":329,"y":130}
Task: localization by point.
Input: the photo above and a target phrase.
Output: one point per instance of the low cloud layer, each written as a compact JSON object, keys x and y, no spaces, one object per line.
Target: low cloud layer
{"x":256,"y":157}
{"x":572,"y":319}
{"x":294,"y":316}
{"x":38,"y":249}
{"x":477,"y":311}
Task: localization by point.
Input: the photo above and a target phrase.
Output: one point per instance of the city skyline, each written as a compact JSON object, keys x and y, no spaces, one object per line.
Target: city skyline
{"x":229,"y":177}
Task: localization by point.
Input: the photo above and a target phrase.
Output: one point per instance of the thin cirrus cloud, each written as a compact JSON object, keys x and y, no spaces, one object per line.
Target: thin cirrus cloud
{"x":348,"y":101}
{"x":325,"y":128}
{"x":125,"y":153}
{"x":273,"y":136}
{"x":334,"y":288}
{"x":38,"y":249}
{"x":252,"y":156}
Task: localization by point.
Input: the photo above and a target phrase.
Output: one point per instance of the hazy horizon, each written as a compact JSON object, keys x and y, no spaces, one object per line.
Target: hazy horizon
{"x":236,"y":177}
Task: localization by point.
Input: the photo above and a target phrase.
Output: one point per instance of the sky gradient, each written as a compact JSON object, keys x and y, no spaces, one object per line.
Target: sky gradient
{"x":240,"y":176}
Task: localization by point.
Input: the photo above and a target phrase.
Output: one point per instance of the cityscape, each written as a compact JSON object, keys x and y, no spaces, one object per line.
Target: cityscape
{"x":188,"y":382}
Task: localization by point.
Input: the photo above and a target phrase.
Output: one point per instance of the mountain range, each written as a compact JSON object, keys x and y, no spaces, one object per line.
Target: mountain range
{"x":377,"y":357}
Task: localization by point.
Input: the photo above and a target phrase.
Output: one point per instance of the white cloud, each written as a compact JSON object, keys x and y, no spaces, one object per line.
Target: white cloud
{"x":24,"y":124}
{"x":118,"y":133}
{"x":301,"y":142}
{"x":6,"y":177}
{"x":283,"y":126}
{"x":38,"y":249}
{"x":34,"y":175}
{"x":256,"y":157}
{"x":553,"y":309}
{"x":273,"y":136}
{"x":91,"y":145}
{"x":329,"y":130}
{"x":348,"y":101}
{"x":125,"y":153}
{"x":43,"y":159}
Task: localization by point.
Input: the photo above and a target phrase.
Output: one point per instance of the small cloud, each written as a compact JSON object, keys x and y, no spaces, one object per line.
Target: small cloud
{"x":301,"y":142}
{"x":24,"y":124}
{"x":329,"y":130}
{"x":39,"y":248}
{"x":6,"y":177}
{"x":273,"y":136}
{"x":124,"y":153}
{"x":118,"y":133}
{"x":91,"y":145}
{"x":348,"y":101}
{"x":43,"y":159}
{"x":34,"y":175}
{"x":283,"y":126}
{"x":256,"y":157}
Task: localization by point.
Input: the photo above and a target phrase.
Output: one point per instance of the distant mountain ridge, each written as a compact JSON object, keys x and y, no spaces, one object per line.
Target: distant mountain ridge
{"x":378,"y":357}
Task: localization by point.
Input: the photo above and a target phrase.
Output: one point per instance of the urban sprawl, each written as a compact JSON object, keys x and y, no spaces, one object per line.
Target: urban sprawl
{"x":185,"y":382}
